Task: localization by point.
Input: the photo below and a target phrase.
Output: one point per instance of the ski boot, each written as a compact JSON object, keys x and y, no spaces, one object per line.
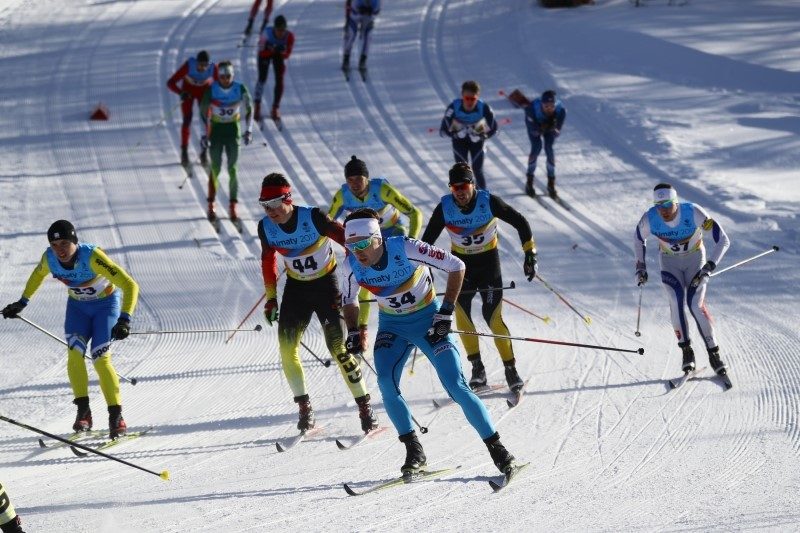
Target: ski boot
{"x":716,"y":363}
{"x":257,"y":115}
{"x":688,"y":356}
{"x":185,"y":156}
{"x":368,"y":419}
{"x":415,"y":456}
{"x":515,"y":382}
{"x":551,"y":187}
{"x":478,"y":378}
{"x":306,"y":420}
{"x":15,"y":526}
{"x":275,"y":114}
{"x":529,"y":190}
{"x":83,"y":420}
{"x":116,"y":424}
{"x":503,"y":460}
{"x":232,"y":211}
{"x":212,"y":214}
{"x":346,"y":62}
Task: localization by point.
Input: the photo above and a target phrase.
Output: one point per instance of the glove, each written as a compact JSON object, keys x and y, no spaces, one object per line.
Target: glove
{"x":353,"y":342}
{"x":641,"y":273}
{"x":702,"y":274}
{"x":556,"y":133}
{"x":271,"y":311}
{"x":204,"y":142}
{"x":249,"y":27}
{"x":13,"y":309}
{"x":121,"y":329}
{"x":530,"y":266}
{"x":280,"y":49}
{"x":440,"y":325}
{"x":185,"y":96}
{"x":247,"y":137}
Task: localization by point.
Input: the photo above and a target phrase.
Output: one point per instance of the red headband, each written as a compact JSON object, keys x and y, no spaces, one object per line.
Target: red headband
{"x":268,"y":192}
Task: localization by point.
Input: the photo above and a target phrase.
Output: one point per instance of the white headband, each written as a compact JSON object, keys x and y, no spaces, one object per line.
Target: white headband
{"x":362,"y":227}
{"x":662,"y":195}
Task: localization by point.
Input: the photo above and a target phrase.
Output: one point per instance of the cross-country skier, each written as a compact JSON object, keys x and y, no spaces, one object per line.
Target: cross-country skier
{"x":222,"y":106}
{"x":274,"y":46}
{"x":376,"y":193}
{"x":679,"y":228}
{"x":469,"y":121}
{"x":396,"y":271}
{"x":544,"y":118}
{"x":93,"y":313}
{"x":359,"y":20}
{"x":470,"y":216}
{"x":303,"y":235}
{"x":190,"y":81}
{"x":254,"y":12}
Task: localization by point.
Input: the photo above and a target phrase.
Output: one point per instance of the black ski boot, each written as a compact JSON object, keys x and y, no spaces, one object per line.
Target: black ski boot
{"x":185,"y":156}
{"x":688,"y":356}
{"x":368,"y":419}
{"x":346,"y":62}
{"x":503,"y":460}
{"x":415,"y":456}
{"x":83,"y":420}
{"x":15,"y":526}
{"x":306,"y":420}
{"x":551,"y":187}
{"x":515,"y":382}
{"x":478,"y":378}
{"x":529,"y":190}
{"x":204,"y":157}
{"x":116,"y":424}
{"x":716,"y":363}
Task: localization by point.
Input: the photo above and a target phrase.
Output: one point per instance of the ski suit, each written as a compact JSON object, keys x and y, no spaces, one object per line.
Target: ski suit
{"x":683,"y":254}
{"x":403,"y":286}
{"x":276,"y":51}
{"x":359,"y":20}
{"x":473,"y":239}
{"x":540,"y":125}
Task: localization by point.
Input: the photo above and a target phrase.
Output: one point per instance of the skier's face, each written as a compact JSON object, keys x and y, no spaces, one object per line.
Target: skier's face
{"x":64,"y":249}
{"x":225,"y":79}
{"x":549,"y":108}
{"x":462,"y":193}
{"x":202,"y":67}
{"x":366,"y":256}
{"x":668,"y":213}
{"x":279,"y":214}
{"x":358,"y":185}
{"x":469,"y":100}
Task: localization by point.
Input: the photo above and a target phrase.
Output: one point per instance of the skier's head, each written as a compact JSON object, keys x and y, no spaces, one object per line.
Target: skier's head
{"x":280,"y":22}
{"x":549,"y":97}
{"x":225,"y":70}
{"x":357,"y":175}
{"x":276,"y":197}
{"x":63,"y":239}
{"x":362,"y":234}
{"x":665,"y":198}
{"x":203,"y":59}
{"x":470,"y":91}
{"x":462,"y":183}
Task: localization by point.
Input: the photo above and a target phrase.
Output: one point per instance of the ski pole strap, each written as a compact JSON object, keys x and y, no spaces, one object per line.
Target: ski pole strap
{"x":740,"y":263}
{"x":640,"y":351}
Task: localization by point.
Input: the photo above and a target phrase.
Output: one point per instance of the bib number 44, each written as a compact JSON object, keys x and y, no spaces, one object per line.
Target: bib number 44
{"x":301,"y":265}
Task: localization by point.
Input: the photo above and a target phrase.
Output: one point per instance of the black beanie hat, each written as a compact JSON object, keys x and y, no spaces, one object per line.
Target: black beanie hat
{"x":62,"y":229}
{"x":202,"y":57}
{"x":461,"y":173}
{"x":355,"y":167}
{"x":280,"y":22}
{"x":548,"y":97}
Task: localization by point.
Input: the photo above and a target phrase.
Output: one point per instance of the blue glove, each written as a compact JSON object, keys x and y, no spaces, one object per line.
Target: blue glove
{"x":702,"y":274}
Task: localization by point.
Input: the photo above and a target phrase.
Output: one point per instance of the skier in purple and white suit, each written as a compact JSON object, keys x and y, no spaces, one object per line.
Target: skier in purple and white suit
{"x":679,"y":228}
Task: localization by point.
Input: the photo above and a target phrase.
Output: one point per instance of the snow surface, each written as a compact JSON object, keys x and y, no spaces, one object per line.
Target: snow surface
{"x":704,"y":96}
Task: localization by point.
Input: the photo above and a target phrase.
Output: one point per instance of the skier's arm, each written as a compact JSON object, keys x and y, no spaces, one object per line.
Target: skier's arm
{"x":325,"y":226}
{"x":640,"y":240}
{"x":172,"y":83}
{"x":248,"y":104}
{"x":718,"y":235}
{"x":435,"y":225}
{"x":102,"y":265}
{"x":429,"y":255}
{"x":376,"y":7}
{"x":392,"y":196}
{"x":488,"y":114}
{"x":36,"y":278}
{"x":337,"y":205}
{"x":269,"y":265}
{"x":533,"y":126}
{"x":205,"y":109}
{"x":447,"y":122}
{"x":289,"y":45}
{"x":350,"y":289}
{"x":561,"y":116}
{"x":508,"y":214}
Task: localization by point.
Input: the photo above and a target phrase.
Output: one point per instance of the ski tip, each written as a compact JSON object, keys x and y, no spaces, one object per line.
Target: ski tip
{"x":348,"y":490}
{"x":78,"y":452}
{"x":42,"y":444}
{"x":279,"y":447}
{"x":341,"y":446}
{"x":495,"y":486}
{"x":510,"y":404}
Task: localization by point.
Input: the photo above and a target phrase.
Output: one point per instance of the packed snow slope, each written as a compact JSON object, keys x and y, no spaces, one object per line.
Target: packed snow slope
{"x":703,"y":96}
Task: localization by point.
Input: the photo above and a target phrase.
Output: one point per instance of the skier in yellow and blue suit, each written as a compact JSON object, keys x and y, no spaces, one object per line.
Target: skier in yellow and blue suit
{"x":93,"y":313}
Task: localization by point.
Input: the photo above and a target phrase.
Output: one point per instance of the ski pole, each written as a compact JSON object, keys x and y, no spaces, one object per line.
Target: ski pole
{"x":163,"y":475}
{"x":640,"y":351}
{"x":182,"y":331}
{"x":326,"y":363}
{"x":132,"y":381}
{"x":639,"y":311}
{"x":263,"y":295}
{"x":551,"y":289}
{"x":545,"y":319}
{"x":512,"y":285}
{"x":422,"y":429}
{"x":413,"y":360}
{"x":167,"y":115}
{"x":773,"y":249}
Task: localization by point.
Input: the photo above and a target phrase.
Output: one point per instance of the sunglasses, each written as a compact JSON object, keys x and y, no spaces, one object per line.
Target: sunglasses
{"x":359,"y":246}
{"x":665,"y":204}
{"x":273,"y":203}
{"x":463,"y":186}
{"x":470,"y":98}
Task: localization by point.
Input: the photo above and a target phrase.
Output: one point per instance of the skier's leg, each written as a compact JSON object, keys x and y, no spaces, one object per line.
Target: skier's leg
{"x":367,"y":23}
{"x":232,"y":153}
{"x":676,"y":296}
{"x":702,"y":317}
{"x":263,"y":70}
{"x":461,"y":150}
{"x":350,"y":33}
{"x":106,"y":313}
{"x":391,"y":353}
{"x":280,"y":70}
{"x":215,"y":149}
{"x":549,"y":140}
{"x":78,"y":331}
{"x":292,"y":322}
{"x":476,"y":152}
{"x":186,"y":109}
{"x":464,"y":318}
{"x":536,"y":149}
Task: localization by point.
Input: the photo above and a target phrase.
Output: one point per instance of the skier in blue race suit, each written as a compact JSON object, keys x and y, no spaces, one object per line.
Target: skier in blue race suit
{"x":544,"y":119}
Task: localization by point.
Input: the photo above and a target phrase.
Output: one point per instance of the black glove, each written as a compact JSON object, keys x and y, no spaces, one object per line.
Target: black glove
{"x":13,"y":309}
{"x":440,"y":325}
{"x":641,"y":274}
{"x":530,"y":266}
{"x":702,"y":274}
{"x":121,"y":329}
{"x":249,"y":27}
{"x":185,"y":96}
{"x":271,"y":311}
{"x":353,"y":342}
